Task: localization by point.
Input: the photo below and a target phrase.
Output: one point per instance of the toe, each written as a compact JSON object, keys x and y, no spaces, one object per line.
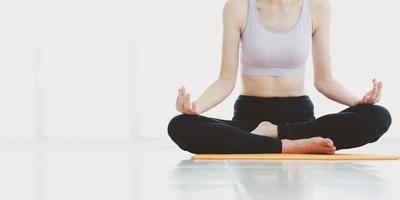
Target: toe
{"x":328,"y":142}
{"x":328,"y":150}
{"x":332,"y":151}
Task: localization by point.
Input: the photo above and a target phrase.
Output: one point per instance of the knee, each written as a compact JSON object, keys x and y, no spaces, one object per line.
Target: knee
{"x":378,"y":119}
{"x":178,"y":126}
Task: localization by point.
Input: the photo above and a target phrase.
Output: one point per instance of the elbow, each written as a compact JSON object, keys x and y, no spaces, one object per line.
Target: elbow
{"x":229,"y":83}
{"x":321,"y":84}
{"x":317,"y":86}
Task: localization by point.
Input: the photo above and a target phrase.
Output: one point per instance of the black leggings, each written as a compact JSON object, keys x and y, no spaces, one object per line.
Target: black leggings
{"x":352,"y":127}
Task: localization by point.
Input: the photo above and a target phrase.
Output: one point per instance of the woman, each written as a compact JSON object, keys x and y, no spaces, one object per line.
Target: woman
{"x":273,"y":114}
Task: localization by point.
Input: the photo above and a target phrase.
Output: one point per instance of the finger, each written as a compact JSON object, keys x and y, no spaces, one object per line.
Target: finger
{"x":378,"y":98}
{"x":380,"y":85}
{"x":180,"y":91}
{"x":189,"y":106}
{"x":183,"y":92}
{"x":178,"y":96}
{"x":375,"y":84}
{"x":177,"y":101}
{"x":186,"y":104}
{"x":365,"y":99}
{"x":194,"y":107}
{"x":179,"y":105}
{"x":181,"y":99}
{"x":370,"y":96}
{"x":184,"y":88}
{"x":371,"y":92}
{"x":374,"y":93}
{"x":378,"y":90}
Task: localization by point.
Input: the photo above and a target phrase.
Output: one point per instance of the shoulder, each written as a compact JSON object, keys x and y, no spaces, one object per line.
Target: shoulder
{"x":235,"y":12}
{"x":320,"y":5}
{"x":320,"y":11}
{"x":235,"y":5}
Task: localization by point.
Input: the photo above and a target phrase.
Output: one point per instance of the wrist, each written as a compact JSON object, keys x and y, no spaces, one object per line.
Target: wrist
{"x":354,"y":102}
{"x":199,"y":108}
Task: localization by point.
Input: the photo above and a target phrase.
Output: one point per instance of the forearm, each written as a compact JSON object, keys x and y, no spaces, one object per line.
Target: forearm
{"x":333,"y":90}
{"x":214,"y":94}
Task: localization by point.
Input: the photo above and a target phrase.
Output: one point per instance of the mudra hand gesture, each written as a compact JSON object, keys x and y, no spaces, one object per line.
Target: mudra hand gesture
{"x":183,"y":103}
{"x":374,"y":95}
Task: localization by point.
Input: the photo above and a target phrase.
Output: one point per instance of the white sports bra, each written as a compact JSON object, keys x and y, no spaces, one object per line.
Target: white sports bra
{"x":265,"y":51}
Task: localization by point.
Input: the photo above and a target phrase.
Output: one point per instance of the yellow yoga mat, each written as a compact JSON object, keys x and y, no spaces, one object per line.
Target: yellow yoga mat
{"x":293,"y":157}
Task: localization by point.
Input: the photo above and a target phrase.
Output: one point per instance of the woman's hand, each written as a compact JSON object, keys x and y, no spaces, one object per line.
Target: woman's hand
{"x":374,"y":95}
{"x":183,"y":103}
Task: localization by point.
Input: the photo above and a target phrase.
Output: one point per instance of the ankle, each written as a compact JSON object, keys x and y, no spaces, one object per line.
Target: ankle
{"x":274,"y":130}
{"x":286,"y":146}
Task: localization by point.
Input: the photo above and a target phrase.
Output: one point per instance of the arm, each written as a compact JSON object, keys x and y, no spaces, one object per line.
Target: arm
{"x":225,"y":84}
{"x":324,"y":82}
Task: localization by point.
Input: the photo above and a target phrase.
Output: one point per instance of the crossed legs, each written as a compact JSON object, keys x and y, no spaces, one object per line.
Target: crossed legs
{"x":201,"y":134}
{"x":352,"y":127}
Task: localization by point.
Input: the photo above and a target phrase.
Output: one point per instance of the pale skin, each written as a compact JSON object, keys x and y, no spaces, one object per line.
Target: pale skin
{"x":279,"y":15}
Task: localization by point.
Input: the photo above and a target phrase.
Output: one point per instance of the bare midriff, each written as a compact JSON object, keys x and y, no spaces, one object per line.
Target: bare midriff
{"x":272,"y":86}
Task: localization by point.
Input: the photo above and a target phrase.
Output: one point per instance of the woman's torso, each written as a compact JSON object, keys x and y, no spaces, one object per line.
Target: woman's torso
{"x":271,"y":86}
{"x":275,"y":86}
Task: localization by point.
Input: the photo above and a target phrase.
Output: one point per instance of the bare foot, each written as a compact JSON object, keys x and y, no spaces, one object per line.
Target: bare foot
{"x":309,"y":145}
{"x":266,"y":128}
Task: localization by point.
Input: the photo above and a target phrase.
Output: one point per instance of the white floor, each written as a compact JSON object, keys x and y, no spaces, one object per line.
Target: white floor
{"x":61,"y":170}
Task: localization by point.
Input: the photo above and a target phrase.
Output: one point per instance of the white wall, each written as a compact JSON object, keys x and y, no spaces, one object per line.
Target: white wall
{"x":89,"y":69}
{"x":17,"y":89}
{"x":66,"y":69}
